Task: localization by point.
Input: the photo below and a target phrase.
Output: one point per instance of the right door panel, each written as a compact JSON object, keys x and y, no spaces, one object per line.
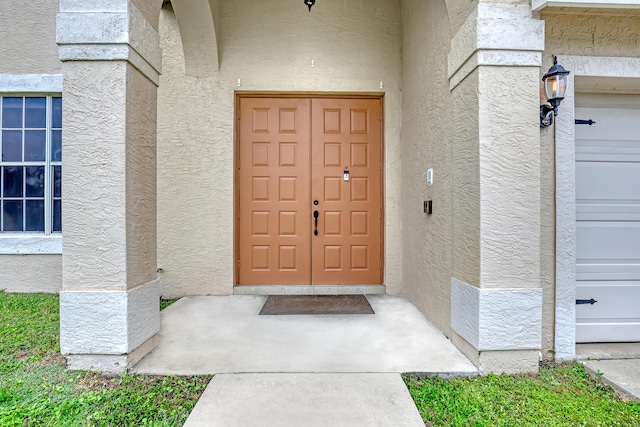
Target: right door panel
{"x":346,"y":183}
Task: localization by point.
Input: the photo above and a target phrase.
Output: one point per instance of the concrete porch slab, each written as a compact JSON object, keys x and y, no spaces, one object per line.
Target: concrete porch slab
{"x":337,"y":400}
{"x":213,"y":335}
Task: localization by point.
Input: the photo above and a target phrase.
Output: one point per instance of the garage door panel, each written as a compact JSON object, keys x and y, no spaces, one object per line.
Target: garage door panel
{"x":595,"y":271}
{"x":607,"y":181}
{"x":607,"y":241}
{"x":607,"y":332}
{"x":608,"y":210}
{"x":617,"y":301}
{"x":608,"y":219}
{"x":607,"y":150}
{"x":612,"y":123}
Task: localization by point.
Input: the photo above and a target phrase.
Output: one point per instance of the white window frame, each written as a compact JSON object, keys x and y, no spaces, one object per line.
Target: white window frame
{"x":25,"y":242}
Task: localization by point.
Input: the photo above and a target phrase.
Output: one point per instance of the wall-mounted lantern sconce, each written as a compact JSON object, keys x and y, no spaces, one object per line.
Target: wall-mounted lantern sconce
{"x":555,"y":85}
{"x":309,"y":3}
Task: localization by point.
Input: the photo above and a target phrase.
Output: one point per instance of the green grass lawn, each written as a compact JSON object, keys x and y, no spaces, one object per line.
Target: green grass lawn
{"x":36,"y":390}
{"x":561,"y":395}
{"x":164,"y":303}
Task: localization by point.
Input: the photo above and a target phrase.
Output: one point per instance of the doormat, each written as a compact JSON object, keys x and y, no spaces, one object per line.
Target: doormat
{"x":316,"y":304}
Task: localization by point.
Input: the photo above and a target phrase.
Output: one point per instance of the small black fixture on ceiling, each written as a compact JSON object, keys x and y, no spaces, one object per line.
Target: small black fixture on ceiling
{"x":555,"y":85}
{"x":309,"y":3}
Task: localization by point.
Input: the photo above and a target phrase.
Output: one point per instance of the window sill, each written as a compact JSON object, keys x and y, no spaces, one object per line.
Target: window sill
{"x":25,"y":244}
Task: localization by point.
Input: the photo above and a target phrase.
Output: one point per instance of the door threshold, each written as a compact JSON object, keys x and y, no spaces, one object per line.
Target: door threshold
{"x":309,"y":290}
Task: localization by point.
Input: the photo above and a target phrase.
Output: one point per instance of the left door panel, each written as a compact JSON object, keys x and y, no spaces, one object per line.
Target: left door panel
{"x":274,"y":192}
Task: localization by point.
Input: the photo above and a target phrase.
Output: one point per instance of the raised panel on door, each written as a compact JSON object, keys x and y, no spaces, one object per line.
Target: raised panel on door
{"x":608,"y":219}
{"x":274,"y":226}
{"x":346,"y":134}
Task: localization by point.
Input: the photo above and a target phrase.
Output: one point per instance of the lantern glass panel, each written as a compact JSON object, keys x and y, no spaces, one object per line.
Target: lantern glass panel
{"x":555,"y":86}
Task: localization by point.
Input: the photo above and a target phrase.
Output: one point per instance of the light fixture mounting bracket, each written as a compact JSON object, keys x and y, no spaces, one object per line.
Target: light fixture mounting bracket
{"x":309,"y":3}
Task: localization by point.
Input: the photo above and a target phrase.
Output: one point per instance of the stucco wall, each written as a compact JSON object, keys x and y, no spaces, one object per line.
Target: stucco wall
{"x":141,"y":205}
{"x":28,"y":31}
{"x":603,"y":33}
{"x":426,"y":143}
{"x":509,"y":178}
{"x":466,"y":181}
{"x":269,"y":46}
{"x":612,"y":32}
{"x":94,"y":209}
{"x":31,"y":273}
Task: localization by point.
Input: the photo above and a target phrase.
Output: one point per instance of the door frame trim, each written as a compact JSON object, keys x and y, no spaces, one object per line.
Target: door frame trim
{"x":238,"y":95}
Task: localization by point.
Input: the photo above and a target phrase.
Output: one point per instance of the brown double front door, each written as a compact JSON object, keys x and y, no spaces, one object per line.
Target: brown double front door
{"x":309,"y":194}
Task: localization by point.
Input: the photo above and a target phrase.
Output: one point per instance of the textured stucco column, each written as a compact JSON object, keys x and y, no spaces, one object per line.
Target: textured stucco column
{"x":496,"y":298}
{"x":109,"y":309}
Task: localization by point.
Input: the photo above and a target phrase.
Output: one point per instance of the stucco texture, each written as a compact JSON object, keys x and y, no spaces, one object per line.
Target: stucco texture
{"x":426,"y":143}
{"x":109,"y":204}
{"x":269,"y":46}
{"x":141,"y":187}
{"x":509,"y":178}
{"x":466,"y":182}
{"x":94,"y":243}
{"x":28,"y":31}
{"x":31,"y":273}
{"x":611,"y":32}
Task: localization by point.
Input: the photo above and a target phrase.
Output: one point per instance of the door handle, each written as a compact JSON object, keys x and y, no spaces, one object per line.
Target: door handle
{"x":316,"y":214}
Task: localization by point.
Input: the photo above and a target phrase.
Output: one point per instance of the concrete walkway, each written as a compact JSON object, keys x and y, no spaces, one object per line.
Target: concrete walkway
{"x":314,"y":370}
{"x":623,"y":375}
{"x":617,"y":364}
{"x":309,"y":400}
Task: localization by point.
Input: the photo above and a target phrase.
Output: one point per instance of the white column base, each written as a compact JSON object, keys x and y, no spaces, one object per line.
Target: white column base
{"x":107,"y":328}
{"x":497,"y":319}
{"x":110,"y":363}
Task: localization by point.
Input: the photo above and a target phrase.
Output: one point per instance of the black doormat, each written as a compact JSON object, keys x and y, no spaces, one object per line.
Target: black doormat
{"x":316,"y":304}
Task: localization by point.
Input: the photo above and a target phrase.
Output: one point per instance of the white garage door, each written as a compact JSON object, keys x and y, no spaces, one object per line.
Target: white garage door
{"x":608,"y":218}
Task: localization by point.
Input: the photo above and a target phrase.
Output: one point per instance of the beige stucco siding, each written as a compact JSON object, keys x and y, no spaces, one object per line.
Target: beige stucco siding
{"x":31,"y":273}
{"x":149,"y":9}
{"x":604,"y":33}
{"x":141,"y":174}
{"x":94,"y":201}
{"x":509,"y":179}
{"x":268,"y":46}
{"x":466,"y":181}
{"x":426,"y":104}
{"x":28,"y":32}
